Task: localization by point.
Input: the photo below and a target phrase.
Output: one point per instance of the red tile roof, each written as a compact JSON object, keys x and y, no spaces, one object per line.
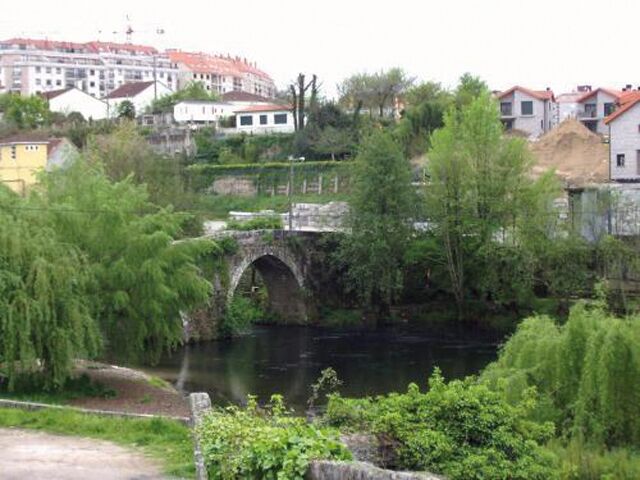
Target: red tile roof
{"x":614,"y":93}
{"x":129,"y":90}
{"x":90,"y":47}
{"x":219,"y":65}
{"x":265,"y":108}
{"x":241,"y":96}
{"x":539,"y":94}
{"x":55,"y":93}
{"x":626,"y":102}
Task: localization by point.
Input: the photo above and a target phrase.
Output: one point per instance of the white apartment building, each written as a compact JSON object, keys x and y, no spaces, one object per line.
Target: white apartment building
{"x":529,"y":111}
{"x":222,"y":74}
{"x":624,"y":138}
{"x":594,"y":106}
{"x":202,"y":112}
{"x":70,"y":100}
{"x":30,"y":66}
{"x":259,"y":119}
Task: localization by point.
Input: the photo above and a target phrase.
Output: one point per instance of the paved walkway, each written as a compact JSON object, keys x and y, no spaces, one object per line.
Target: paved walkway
{"x":36,"y":455}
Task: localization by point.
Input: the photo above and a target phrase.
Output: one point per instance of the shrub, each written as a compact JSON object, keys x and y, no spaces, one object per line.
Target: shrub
{"x":266,"y":444}
{"x":240,"y":315}
{"x":460,"y":429}
{"x":271,"y":222}
{"x":587,"y":373}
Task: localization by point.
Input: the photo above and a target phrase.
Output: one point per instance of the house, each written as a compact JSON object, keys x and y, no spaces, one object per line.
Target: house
{"x":141,"y":94}
{"x":202,"y":112}
{"x":72,"y":99}
{"x":264,"y":119}
{"x":533,"y":112}
{"x":23,"y":156}
{"x":594,"y":106}
{"x":624,"y":138}
{"x":239,"y":98}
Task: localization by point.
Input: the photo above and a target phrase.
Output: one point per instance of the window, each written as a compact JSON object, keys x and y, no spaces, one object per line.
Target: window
{"x":58,"y":70}
{"x":608,"y":109}
{"x":38,"y":69}
{"x":48,"y":82}
{"x":505,"y":109}
{"x":526,"y":108}
{"x":48,"y":70}
{"x":38,"y":81}
{"x":13,"y":152}
{"x":280,"y":118}
{"x":263,"y":119}
{"x":92,"y":84}
{"x":246,"y":120}
{"x":92,"y":72}
{"x":620,"y":160}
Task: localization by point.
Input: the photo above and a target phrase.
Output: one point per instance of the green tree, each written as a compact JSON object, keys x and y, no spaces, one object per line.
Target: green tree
{"x":428,"y":92}
{"x":126,"y":109}
{"x":381,"y":207}
{"x":45,"y":317}
{"x":469,"y":88}
{"x":25,"y":112}
{"x":482,"y":201}
{"x":376,"y":92}
{"x":141,"y":277}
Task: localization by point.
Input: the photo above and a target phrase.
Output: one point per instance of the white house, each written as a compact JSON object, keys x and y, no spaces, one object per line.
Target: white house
{"x":141,"y":94}
{"x":595,"y":106}
{"x":239,"y":98}
{"x":531,"y":111}
{"x":72,"y":99}
{"x":264,"y":119}
{"x":624,"y":138}
{"x":202,"y":111}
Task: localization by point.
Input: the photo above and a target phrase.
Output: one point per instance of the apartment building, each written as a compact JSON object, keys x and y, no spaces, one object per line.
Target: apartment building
{"x":532,"y":112}
{"x":595,"y":105}
{"x":624,"y":138}
{"x":222,"y":74}
{"x":29,"y":66}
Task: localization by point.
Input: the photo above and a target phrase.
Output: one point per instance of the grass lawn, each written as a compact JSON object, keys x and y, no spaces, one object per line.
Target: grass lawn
{"x":167,"y":441}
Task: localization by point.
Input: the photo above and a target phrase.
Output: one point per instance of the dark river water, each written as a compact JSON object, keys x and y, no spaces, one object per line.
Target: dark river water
{"x":287,"y":360}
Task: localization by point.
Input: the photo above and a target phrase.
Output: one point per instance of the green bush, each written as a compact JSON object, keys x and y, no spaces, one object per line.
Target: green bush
{"x":271,"y":222}
{"x":587,"y":373}
{"x":580,"y":461}
{"x":240,"y":315}
{"x":460,"y":429}
{"x":264,"y":444}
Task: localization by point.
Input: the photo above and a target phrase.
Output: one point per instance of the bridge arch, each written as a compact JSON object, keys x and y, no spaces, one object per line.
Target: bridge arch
{"x":282,"y":277}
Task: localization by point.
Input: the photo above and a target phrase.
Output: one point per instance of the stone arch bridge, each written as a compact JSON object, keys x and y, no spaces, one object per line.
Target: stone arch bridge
{"x":282,"y":260}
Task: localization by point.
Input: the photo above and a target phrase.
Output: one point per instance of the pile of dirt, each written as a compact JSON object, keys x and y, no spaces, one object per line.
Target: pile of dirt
{"x":578,"y":156}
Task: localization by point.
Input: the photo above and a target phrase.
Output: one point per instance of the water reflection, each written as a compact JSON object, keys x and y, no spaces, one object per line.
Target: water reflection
{"x":288,"y":359}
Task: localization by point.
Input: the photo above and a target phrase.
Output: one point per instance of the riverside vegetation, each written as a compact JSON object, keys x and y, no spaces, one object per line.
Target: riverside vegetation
{"x":89,"y":263}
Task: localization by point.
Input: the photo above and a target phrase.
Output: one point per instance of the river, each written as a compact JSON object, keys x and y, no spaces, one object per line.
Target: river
{"x":287,"y":360}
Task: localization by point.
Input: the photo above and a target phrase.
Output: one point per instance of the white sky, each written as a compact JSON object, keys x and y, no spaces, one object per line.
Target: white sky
{"x":555,"y":43}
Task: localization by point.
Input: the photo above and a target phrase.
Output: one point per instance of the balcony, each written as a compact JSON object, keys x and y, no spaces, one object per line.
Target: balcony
{"x":588,"y":115}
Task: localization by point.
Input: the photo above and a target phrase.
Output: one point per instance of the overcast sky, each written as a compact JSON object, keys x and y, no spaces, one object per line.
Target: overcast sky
{"x":555,"y":43}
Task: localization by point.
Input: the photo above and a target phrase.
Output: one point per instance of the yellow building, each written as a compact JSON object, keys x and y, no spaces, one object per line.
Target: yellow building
{"x":23,"y":156}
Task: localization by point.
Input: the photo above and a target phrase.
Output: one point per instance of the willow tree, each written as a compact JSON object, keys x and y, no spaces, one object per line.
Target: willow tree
{"x":45,"y":314}
{"x":141,"y":277}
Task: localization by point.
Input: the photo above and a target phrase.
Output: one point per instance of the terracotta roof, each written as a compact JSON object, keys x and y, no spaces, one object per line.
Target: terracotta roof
{"x":241,"y":96}
{"x":626,"y":102}
{"x":92,"y":47}
{"x":539,"y":94}
{"x":207,"y":63}
{"x":55,"y":93}
{"x":28,"y":137}
{"x":614,"y":93}
{"x":129,"y":90}
{"x":265,"y":108}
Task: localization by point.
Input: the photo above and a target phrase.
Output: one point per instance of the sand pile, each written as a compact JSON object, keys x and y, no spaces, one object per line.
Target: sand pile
{"x":578,"y":156}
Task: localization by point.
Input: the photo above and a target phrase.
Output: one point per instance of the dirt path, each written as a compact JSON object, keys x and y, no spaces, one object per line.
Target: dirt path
{"x":43,"y":456}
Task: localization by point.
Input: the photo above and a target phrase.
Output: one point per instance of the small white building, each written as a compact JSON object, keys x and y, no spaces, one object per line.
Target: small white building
{"x":595,"y":106}
{"x":533,"y":112}
{"x":72,"y":99}
{"x":141,"y":94}
{"x":264,"y":119}
{"x":238,"y":98}
{"x":202,"y":112}
{"x":624,"y":138}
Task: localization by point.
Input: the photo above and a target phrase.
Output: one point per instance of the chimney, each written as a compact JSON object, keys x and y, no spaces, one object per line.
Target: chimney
{"x":629,"y":86}
{"x":548,"y":89}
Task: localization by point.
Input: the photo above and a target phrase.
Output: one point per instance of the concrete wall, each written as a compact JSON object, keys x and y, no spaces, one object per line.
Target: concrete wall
{"x":625,"y":139}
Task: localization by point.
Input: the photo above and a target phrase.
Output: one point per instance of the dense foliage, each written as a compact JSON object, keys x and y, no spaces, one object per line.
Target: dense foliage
{"x":585,"y":371}
{"x":270,"y":222}
{"x":460,"y":429}
{"x":191,"y":91}
{"x":45,"y":315}
{"x":24,"y":112}
{"x":264,"y":443}
{"x":382,"y":203}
